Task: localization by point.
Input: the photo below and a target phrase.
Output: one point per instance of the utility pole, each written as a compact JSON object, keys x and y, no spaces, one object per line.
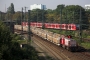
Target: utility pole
{"x":0,"y":15}
{"x":73,"y":16}
{"x":66,"y":21}
{"x":66,"y":16}
{"x":60,"y":19}
{"x":80,"y":28}
{"x":7,"y":14}
{"x":29,"y":31}
{"x":25,"y":14}
{"x":42,"y":18}
{"x":5,"y":8}
{"x":22,"y":21}
{"x":37,"y":16}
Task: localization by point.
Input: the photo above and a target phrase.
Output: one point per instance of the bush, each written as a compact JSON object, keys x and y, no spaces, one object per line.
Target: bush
{"x":10,"y":48}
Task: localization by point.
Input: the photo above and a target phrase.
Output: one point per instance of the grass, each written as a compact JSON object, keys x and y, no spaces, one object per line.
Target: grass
{"x":75,"y":35}
{"x":88,"y":36}
{"x":22,"y":41}
{"x":85,"y":45}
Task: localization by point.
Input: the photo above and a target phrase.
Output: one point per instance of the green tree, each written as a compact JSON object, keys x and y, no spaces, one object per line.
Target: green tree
{"x":54,"y":15}
{"x":88,"y":14}
{"x":17,"y":17}
{"x":49,"y":16}
{"x":37,"y":14}
{"x":88,"y":17}
{"x":10,"y":48}
{"x":10,"y":11}
{"x":5,"y":38}
{"x":59,"y":8}
{"x":2,"y":16}
{"x":72,"y":12}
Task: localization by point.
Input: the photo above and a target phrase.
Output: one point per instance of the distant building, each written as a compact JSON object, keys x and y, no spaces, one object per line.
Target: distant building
{"x":37,"y":6}
{"x":87,"y":7}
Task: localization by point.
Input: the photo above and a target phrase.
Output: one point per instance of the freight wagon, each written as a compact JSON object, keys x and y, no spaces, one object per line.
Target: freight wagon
{"x":60,"y":40}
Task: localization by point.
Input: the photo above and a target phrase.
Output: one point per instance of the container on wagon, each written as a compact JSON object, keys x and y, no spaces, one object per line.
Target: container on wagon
{"x":44,"y":34}
{"x":50,"y":36}
{"x":56,"y":38}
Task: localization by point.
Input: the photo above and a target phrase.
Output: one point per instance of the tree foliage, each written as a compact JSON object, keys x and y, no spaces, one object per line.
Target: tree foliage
{"x":59,"y":8}
{"x":70,"y":14}
{"x":11,"y":9}
{"x":10,"y":12}
{"x":10,"y":49}
{"x":38,"y":15}
{"x":2,"y":16}
{"x":17,"y":17}
{"x":5,"y":38}
{"x":88,"y":15}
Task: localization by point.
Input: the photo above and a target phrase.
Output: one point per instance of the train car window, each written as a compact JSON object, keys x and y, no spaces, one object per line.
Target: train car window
{"x":49,"y":25}
{"x":66,"y":26}
{"x":73,"y":26}
{"x":53,"y":25}
{"x":59,"y":25}
{"x":69,"y":27}
{"x":62,"y":26}
{"x":56,"y":25}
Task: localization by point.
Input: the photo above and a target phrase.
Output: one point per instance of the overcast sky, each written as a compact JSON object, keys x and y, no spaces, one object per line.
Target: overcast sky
{"x":50,"y":4}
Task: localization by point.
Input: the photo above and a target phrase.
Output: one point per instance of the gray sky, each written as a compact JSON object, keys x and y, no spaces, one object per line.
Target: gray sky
{"x":50,"y":4}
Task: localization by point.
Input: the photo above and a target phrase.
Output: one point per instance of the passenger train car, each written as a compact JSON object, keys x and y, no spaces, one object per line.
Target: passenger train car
{"x":60,"y":40}
{"x":53,"y":25}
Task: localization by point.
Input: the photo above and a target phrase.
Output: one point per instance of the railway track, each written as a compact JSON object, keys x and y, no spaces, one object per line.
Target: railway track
{"x":86,"y":39}
{"x":59,"y":53}
{"x":67,"y":55}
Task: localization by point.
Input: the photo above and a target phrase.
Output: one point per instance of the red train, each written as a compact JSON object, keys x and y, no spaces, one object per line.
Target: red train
{"x":53,"y":25}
